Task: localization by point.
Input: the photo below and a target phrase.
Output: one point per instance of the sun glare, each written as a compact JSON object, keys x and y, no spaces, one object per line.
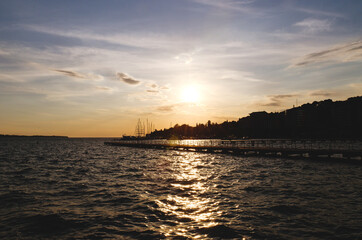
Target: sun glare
{"x":190,"y":94}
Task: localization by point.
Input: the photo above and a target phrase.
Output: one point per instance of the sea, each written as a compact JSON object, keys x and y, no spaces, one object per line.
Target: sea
{"x":83,"y":189}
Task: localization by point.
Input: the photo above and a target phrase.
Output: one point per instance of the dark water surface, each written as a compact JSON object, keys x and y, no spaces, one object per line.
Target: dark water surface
{"x":81,"y":189}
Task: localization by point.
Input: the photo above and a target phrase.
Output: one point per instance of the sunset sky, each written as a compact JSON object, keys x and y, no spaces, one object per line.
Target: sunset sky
{"x":93,"y":68}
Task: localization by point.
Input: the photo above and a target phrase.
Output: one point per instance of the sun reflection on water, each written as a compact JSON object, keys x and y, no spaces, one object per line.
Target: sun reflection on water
{"x":187,"y":203}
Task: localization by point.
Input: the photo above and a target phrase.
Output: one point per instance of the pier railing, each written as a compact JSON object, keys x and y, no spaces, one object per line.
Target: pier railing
{"x":256,"y":144}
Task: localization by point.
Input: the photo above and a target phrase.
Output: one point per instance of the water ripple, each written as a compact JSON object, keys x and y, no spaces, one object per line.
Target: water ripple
{"x":81,"y":189}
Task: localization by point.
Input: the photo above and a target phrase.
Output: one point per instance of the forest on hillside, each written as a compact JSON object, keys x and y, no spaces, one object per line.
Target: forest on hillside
{"x":318,"y":120}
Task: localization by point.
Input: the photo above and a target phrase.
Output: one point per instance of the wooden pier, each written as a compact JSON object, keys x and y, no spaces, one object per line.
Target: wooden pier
{"x":265,"y":147}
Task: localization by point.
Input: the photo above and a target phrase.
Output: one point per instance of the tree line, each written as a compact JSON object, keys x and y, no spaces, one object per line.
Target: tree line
{"x":318,"y":120}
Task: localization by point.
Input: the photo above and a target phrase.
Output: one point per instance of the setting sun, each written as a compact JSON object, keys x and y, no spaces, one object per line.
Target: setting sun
{"x":190,"y":94}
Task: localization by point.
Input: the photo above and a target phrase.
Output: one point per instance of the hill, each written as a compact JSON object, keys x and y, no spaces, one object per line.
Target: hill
{"x":318,"y":120}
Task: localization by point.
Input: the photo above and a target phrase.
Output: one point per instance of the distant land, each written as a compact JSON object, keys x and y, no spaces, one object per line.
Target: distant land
{"x":32,"y":136}
{"x":318,"y":120}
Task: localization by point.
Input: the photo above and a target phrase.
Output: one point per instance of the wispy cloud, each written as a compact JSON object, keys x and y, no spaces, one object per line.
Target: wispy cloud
{"x":285,"y":101}
{"x":321,"y":13}
{"x":103,"y":88}
{"x":127,"y":79}
{"x":277,"y":100}
{"x":167,"y":108}
{"x":227,"y":4}
{"x":8,"y":78}
{"x":187,"y":57}
{"x":321,"y":93}
{"x":176,"y":107}
{"x":75,"y":74}
{"x":237,"y":76}
{"x":154,"y":88}
{"x":152,"y":91}
{"x":345,"y":53}
{"x":3,"y":52}
{"x":313,"y":25}
{"x":70,"y":73}
{"x":184,"y":58}
{"x":130,"y":40}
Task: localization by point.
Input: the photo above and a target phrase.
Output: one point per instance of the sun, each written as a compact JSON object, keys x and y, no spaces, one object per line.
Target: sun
{"x":190,"y":94}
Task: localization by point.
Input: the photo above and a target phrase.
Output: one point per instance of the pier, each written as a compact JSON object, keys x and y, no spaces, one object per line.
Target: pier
{"x":261,"y":147}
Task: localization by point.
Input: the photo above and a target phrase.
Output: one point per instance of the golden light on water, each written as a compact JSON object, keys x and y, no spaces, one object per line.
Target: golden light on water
{"x":190,"y":208}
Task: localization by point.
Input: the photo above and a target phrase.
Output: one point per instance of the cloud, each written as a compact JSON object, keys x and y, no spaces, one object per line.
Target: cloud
{"x":185,"y":58}
{"x":127,"y":79}
{"x":312,"y":25}
{"x":70,"y":73}
{"x":154,"y":88}
{"x":346,"y":53}
{"x":103,"y":88}
{"x":356,"y":48}
{"x":178,"y":107}
{"x":112,"y":40}
{"x":8,"y":78}
{"x":226,"y":4}
{"x":276,"y":100}
{"x":2,"y":52}
{"x":321,"y":13}
{"x":272,"y":104}
{"x":152,"y":91}
{"x":78,"y":75}
{"x":321,"y":93}
{"x":167,"y":108}
{"x":282,"y":96}
{"x":171,"y":107}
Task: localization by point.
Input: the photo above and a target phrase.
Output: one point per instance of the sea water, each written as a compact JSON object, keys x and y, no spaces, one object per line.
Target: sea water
{"x":82,"y":189}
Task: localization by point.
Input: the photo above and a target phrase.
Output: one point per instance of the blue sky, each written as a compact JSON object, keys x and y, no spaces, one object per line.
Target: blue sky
{"x":92,"y":68}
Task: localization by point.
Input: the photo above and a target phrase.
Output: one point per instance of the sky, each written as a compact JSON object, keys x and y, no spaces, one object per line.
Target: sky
{"x":93,"y":68}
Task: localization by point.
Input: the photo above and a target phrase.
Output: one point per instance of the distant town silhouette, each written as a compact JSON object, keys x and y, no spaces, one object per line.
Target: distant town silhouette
{"x":32,"y":136}
{"x":318,"y":120}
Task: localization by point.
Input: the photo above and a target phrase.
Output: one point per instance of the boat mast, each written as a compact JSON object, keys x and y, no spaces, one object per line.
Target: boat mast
{"x":140,"y":129}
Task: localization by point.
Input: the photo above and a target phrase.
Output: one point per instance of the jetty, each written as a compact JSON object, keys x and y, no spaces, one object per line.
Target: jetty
{"x":342,"y":149}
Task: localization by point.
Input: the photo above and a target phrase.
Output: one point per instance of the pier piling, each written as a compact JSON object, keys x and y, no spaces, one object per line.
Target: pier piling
{"x":262,"y":147}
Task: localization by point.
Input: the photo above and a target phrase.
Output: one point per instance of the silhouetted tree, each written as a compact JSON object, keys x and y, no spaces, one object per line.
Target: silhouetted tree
{"x":325,"y":119}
